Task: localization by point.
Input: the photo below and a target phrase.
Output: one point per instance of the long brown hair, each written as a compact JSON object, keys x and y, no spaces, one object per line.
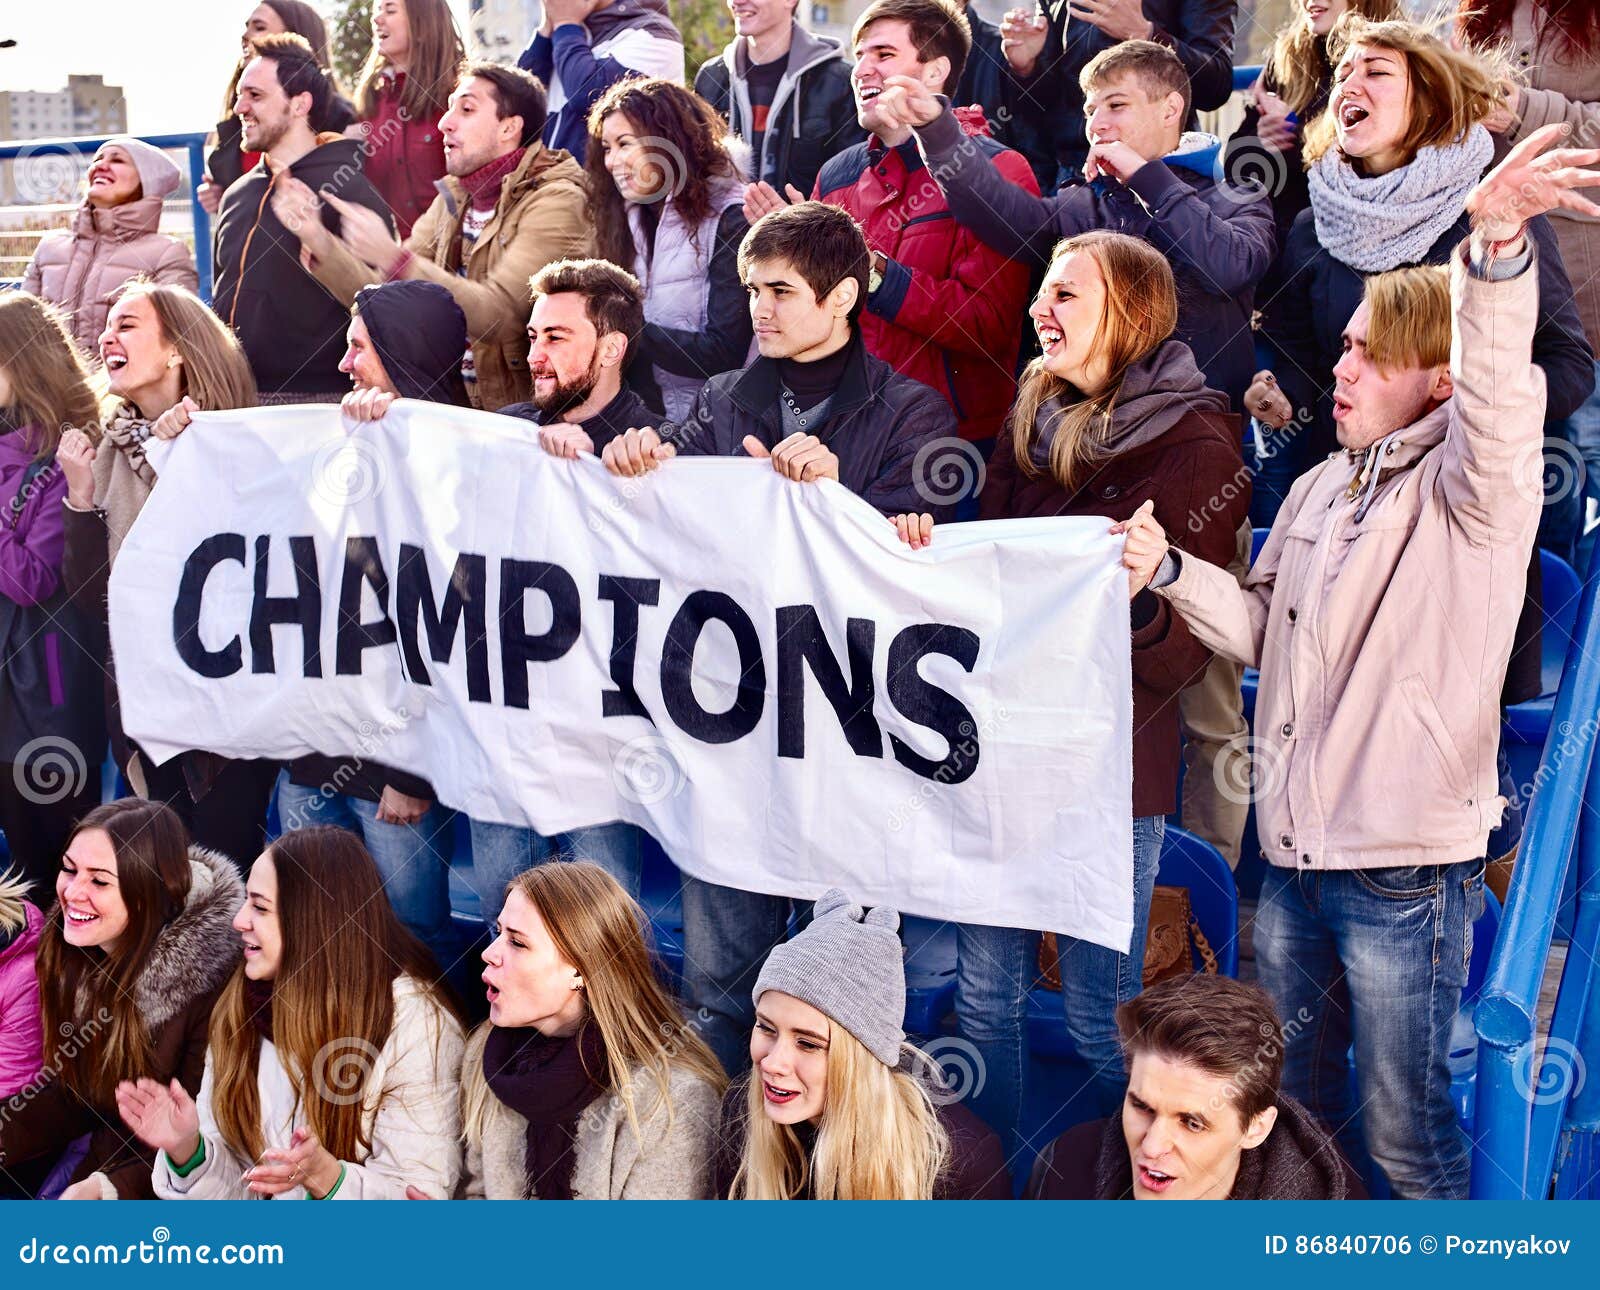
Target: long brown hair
{"x":51,"y":388}
{"x":1298,"y":60}
{"x":598,"y":929}
{"x":332,"y":998}
{"x":1452,"y":90}
{"x":685,"y":138}
{"x":216,"y":374}
{"x":1141,"y":311}
{"x":436,"y":58}
{"x":301,"y":20}
{"x":1482,"y":22}
{"x":77,"y":986}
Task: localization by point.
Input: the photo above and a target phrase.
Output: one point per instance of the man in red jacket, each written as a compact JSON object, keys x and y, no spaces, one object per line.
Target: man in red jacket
{"x":942,"y":308}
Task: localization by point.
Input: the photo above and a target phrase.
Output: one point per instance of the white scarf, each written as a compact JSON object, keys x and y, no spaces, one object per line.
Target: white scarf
{"x":1381,"y":223}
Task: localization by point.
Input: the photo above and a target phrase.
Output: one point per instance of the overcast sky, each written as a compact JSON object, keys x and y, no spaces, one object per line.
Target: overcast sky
{"x":171,"y":57}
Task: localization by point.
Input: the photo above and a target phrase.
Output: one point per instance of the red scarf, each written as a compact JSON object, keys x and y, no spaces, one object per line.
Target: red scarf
{"x":483,"y":184}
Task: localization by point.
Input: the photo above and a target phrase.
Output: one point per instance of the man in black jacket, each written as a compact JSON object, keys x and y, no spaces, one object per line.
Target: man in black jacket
{"x":291,"y":329}
{"x":1147,"y":178}
{"x":1048,"y":58}
{"x":819,"y":407}
{"x":784,"y":91}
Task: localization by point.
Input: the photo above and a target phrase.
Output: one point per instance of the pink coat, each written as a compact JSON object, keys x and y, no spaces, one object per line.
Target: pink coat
{"x":21,"y":1038}
{"x":1382,"y":622}
{"x":82,"y":267}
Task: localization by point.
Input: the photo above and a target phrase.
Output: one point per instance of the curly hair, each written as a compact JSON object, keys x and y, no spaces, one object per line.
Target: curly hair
{"x":686,"y":141}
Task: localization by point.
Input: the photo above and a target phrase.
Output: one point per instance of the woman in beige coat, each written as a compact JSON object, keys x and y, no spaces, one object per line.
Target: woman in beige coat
{"x":112,"y":240}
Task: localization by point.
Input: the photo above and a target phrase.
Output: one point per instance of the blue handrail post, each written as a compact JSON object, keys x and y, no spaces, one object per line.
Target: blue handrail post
{"x":202,"y":217}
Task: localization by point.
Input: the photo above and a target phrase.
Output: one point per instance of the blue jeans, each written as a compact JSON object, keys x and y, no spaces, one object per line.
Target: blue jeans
{"x":414,"y":859}
{"x":501,"y":851}
{"x":727,"y":935}
{"x":1378,"y":957}
{"x":995,"y":966}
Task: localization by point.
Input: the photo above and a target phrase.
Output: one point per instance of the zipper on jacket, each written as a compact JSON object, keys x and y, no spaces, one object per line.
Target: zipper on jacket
{"x":244,"y":251}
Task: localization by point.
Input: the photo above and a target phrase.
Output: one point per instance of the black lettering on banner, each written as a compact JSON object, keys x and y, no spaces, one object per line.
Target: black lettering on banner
{"x":211,"y":663}
{"x":928,"y":705}
{"x":465,"y":602}
{"x":626,"y":595}
{"x":677,"y":669}
{"x":517,"y":648}
{"x":362,"y":564}
{"x":303,"y":609}
{"x":801,"y":641}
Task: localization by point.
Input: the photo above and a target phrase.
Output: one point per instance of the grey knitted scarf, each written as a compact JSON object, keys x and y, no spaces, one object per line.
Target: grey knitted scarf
{"x":1381,"y":223}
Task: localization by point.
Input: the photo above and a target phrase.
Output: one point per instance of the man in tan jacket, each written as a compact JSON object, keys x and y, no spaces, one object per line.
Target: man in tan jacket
{"x":1381,"y":613}
{"x":507,"y":207}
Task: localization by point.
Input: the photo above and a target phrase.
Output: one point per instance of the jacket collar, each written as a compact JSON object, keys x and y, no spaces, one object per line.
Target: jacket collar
{"x":806,"y":51}
{"x":757,"y":389}
{"x":198,"y":949}
{"x":121,"y":223}
{"x":910,"y":156}
{"x":535,"y":162}
{"x":1395,"y":452}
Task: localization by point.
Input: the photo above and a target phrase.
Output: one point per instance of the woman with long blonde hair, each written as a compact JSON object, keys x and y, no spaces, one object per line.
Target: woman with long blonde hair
{"x":837,"y":1106}
{"x":165,"y":356}
{"x":585,"y":1083}
{"x":332,"y":1068}
{"x":1290,"y":93}
{"x":1111,"y":418}
{"x":130,"y":962}
{"x":52,"y":715}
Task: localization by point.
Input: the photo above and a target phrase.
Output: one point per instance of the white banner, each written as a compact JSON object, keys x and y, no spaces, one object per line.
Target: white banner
{"x":755,"y":671}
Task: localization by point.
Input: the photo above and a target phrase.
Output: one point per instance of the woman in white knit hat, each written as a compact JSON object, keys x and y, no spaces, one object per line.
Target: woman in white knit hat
{"x":837,"y":1105}
{"x":112,"y":240}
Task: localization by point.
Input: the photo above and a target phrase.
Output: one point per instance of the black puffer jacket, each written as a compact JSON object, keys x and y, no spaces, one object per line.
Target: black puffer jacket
{"x":1200,"y":32}
{"x":813,"y":114}
{"x":291,"y":328}
{"x":877,"y":421}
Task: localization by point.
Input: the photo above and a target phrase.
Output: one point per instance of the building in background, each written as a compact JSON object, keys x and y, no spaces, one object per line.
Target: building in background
{"x":500,"y":29}
{"x":86,"y":107}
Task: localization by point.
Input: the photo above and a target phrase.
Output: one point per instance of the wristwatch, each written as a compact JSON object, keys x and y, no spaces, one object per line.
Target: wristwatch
{"x":875,"y":278}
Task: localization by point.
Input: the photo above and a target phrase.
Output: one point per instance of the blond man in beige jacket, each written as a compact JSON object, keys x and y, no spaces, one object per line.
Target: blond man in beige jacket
{"x":1381,"y":613}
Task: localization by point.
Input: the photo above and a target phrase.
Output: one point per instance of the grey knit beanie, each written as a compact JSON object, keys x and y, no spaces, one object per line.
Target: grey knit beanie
{"x":159,"y":175}
{"x":850,"y":966}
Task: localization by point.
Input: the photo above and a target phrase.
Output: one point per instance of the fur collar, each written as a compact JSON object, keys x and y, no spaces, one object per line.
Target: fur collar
{"x":198,"y":950}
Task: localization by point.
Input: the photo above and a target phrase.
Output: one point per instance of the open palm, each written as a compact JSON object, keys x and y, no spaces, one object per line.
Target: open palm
{"x":160,"y":1116}
{"x":1531,"y":181}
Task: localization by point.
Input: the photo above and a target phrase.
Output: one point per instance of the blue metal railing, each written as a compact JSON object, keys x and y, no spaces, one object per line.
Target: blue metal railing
{"x":192,"y":144}
{"x":1538,"y":1104}
{"x":1245,"y":77}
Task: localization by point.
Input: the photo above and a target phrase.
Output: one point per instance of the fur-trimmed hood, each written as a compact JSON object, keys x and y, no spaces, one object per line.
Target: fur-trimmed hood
{"x":198,"y":950}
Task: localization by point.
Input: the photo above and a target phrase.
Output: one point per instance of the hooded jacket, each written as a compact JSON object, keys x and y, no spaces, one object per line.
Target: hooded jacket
{"x":539,"y":218}
{"x":1200,"y":32}
{"x":410,"y":1114}
{"x":81,"y":268}
{"x":21,"y":1035}
{"x":1220,"y":240}
{"x":813,"y":112}
{"x":579,"y":62}
{"x":1381,"y":613}
{"x":876,"y":423}
{"x":420,"y":333}
{"x":669,"y":1158}
{"x":947,"y":312}
{"x":291,"y":329}
{"x":1298,"y":1161}
{"x":191,"y":960}
{"x":1175,"y":442}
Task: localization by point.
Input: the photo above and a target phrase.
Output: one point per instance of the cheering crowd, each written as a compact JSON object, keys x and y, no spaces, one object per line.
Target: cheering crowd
{"x":1359,"y":322}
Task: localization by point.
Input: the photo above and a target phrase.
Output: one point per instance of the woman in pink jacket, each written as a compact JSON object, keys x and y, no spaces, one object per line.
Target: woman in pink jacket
{"x":21,"y":1039}
{"x":113,"y":239}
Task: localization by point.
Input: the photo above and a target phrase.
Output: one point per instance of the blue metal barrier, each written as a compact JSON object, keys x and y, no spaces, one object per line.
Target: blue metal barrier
{"x":1537,"y":1101}
{"x":192,"y":144}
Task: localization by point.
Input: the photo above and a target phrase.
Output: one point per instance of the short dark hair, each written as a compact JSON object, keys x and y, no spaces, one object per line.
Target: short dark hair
{"x":823,"y":243}
{"x":1224,"y":1027}
{"x":1157,"y":69}
{"x":298,"y":71}
{"x":612,"y":297}
{"x":938,"y":27}
{"x":516,"y":93}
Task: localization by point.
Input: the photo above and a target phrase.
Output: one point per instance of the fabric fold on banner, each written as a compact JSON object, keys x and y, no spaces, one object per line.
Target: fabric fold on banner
{"x":755,"y":671}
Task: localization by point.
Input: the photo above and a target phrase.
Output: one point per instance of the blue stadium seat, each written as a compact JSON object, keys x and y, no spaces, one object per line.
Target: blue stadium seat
{"x":930,"y":973}
{"x":1252,"y":678}
{"x":1528,"y":723}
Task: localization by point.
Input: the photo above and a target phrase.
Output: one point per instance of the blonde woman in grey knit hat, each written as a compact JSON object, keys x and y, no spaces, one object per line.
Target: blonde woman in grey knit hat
{"x":837,"y":1106}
